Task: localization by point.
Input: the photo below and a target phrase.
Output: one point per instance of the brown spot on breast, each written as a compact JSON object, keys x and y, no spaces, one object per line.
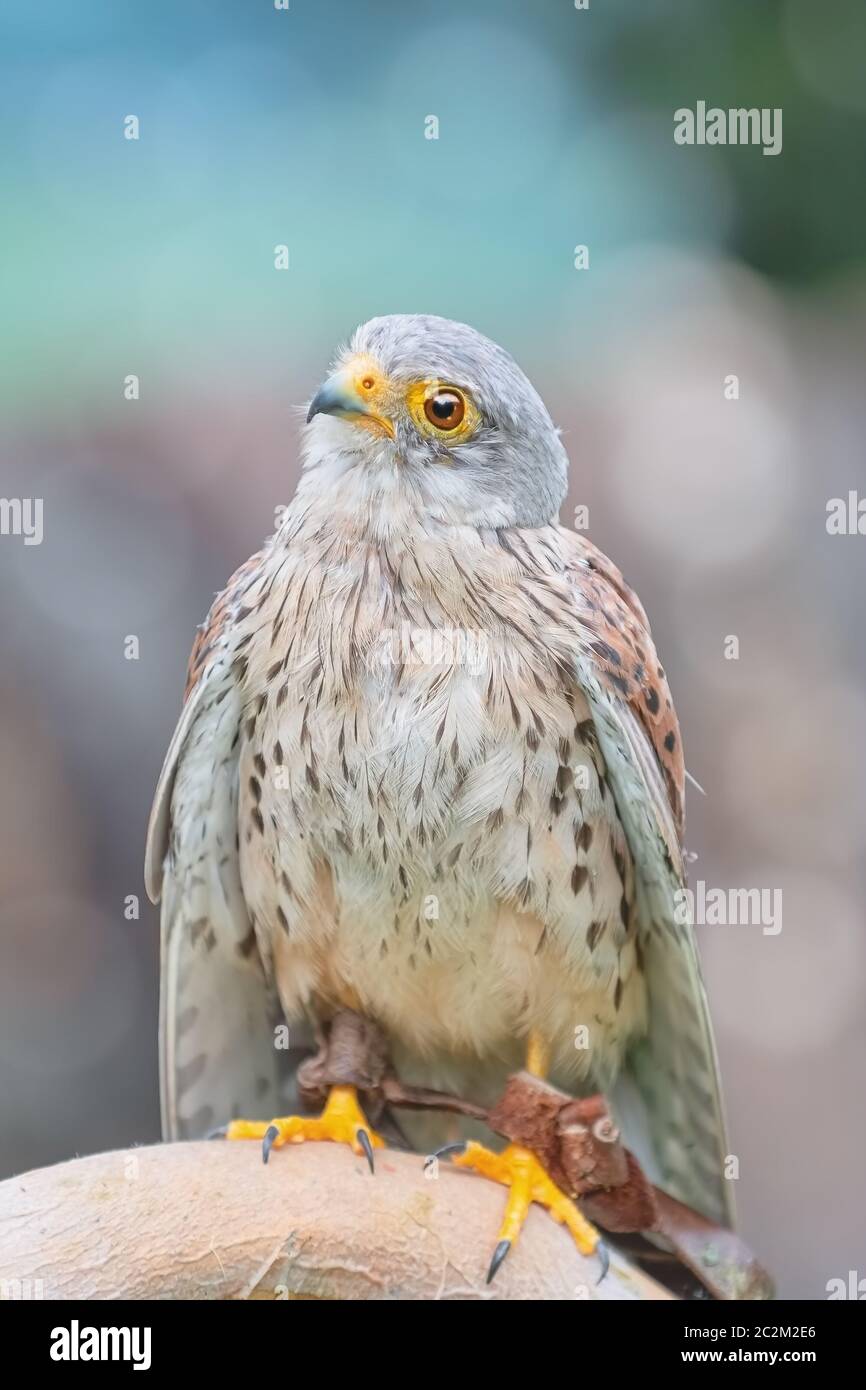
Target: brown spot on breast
{"x":515,"y":713}
{"x":246,"y":947}
{"x":579,"y":876}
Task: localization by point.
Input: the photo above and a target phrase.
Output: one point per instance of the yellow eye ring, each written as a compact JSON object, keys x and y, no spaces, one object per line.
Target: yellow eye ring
{"x":442,"y":411}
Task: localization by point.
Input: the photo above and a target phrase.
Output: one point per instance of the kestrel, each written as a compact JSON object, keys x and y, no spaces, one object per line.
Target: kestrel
{"x":428,"y":769}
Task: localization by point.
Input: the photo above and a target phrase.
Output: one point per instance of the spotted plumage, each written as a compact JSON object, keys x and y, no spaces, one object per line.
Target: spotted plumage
{"x":429,"y":769}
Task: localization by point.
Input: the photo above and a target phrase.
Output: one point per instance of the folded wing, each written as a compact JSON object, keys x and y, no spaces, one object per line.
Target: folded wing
{"x":669,"y":1098}
{"x":218,"y":1011}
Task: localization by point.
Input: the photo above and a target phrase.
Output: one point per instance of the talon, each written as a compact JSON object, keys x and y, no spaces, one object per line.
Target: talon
{"x":459,"y":1148}
{"x":499,"y":1254}
{"x":271,"y":1133}
{"x":525,"y":1177}
{"x":219,"y":1133}
{"x":342,"y":1122}
{"x":603,"y":1252}
{"x":364,"y":1140}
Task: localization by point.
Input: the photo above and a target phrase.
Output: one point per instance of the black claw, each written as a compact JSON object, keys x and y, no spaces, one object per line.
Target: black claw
{"x":499,"y":1254}
{"x":219,"y":1133}
{"x":364,"y":1140}
{"x":271,"y":1133}
{"x":459,"y":1148}
{"x":603,"y":1258}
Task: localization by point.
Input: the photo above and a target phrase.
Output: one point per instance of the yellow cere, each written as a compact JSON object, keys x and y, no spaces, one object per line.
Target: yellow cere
{"x":374,"y":394}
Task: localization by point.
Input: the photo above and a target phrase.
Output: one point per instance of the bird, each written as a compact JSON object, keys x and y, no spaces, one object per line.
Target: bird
{"x":428,"y":768}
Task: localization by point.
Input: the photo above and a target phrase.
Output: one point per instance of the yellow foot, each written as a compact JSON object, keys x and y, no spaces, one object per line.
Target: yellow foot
{"x":342,"y":1121}
{"x":520,"y":1170}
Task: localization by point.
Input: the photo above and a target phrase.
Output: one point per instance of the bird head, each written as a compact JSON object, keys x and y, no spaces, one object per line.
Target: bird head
{"x":447,"y":415}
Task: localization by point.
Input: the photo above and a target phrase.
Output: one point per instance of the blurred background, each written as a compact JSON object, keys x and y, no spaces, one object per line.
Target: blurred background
{"x":155,"y":258}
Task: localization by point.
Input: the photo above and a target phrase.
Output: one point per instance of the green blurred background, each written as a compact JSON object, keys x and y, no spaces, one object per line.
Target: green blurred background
{"x":155,"y":257}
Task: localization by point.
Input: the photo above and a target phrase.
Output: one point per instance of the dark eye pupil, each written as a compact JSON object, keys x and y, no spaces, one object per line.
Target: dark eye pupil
{"x":445,"y":409}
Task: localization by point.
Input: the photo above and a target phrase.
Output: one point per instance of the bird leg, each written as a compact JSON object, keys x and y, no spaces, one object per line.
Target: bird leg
{"x":352,"y":1057}
{"x":519,"y":1169}
{"x":342,"y":1121}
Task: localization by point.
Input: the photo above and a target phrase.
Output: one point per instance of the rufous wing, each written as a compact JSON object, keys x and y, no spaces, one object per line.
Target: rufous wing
{"x":669,"y":1097}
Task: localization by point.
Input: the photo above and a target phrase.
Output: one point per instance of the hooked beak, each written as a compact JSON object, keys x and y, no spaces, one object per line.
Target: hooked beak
{"x":348,"y":398}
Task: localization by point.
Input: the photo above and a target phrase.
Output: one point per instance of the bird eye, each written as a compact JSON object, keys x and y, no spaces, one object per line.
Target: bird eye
{"x":445,"y":409}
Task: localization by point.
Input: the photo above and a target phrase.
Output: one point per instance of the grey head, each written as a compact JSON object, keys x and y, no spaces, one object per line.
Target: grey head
{"x":449,"y":409}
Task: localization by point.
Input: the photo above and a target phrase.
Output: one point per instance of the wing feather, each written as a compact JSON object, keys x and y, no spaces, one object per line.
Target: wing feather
{"x":217,"y":1007}
{"x":671,"y":1090}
